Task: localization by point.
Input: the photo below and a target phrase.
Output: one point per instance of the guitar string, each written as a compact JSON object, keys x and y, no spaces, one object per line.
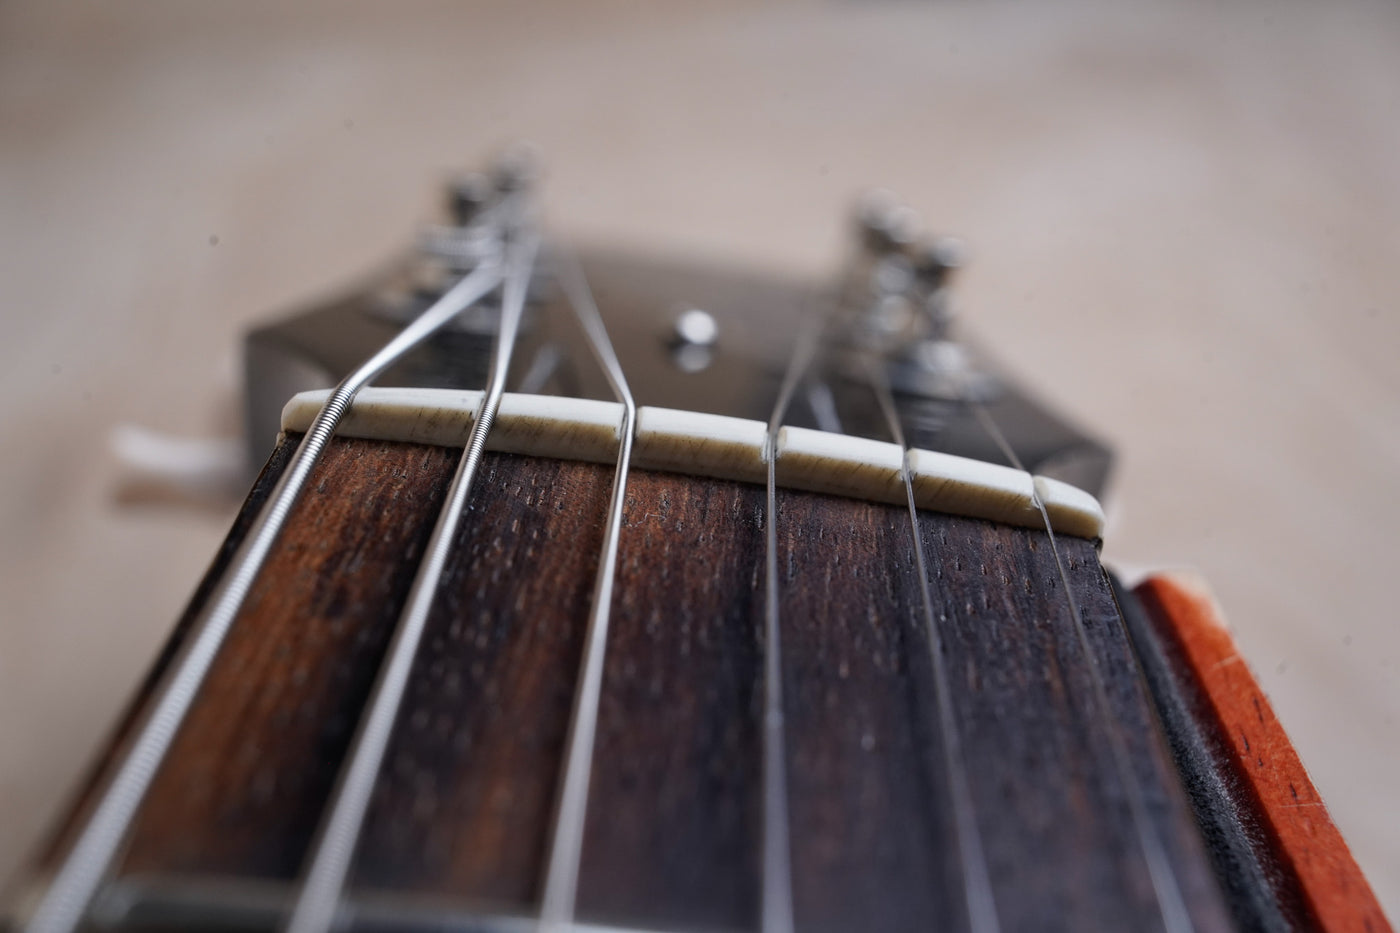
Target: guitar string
{"x":564,"y":862}
{"x":822,"y":403}
{"x":1170,"y":901}
{"x":66,"y":901}
{"x":319,"y":898}
{"x":566,"y":848}
{"x":777,"y":908}
{"x":977,"y":884}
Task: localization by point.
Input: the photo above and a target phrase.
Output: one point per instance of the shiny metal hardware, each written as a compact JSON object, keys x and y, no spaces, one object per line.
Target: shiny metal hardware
{"x":891,"y":299}
{"x":695,"y":328}
{"x":896,"y":304}
{"x":481,"y":209}
{"x":694,"y":333}
{"x":467,"y":197}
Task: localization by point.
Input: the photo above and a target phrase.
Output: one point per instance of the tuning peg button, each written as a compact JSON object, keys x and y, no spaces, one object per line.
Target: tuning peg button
{"x":516,"y":169}
{"x":884,"y":223}
{"x":467,"y":195}
{"x":937,"y":258}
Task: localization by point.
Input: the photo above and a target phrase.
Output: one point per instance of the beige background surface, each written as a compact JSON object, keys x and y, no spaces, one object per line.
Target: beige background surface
{"x":1184,"y":218}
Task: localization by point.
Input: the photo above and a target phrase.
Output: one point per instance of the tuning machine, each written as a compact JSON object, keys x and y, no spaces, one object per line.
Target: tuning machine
{"x":895,"y":303}
{"x":483,"y":211}
{"x":690,"y":336}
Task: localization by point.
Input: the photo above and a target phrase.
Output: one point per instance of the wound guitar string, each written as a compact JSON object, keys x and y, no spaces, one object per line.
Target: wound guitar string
{"x":65,"y":902}
{"x":566,"y":848}
{"x":977,"y":885}
{"x":319,"y":897}
{"x":1165,"y":886}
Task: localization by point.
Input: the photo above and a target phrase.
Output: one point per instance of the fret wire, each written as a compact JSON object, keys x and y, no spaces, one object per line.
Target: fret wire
{"x":66,"y":901}
{"x":977,"y":884}
{"x":777,"y":908}
{"x":1170,"y":901}
{"x":331,"y":856}
{"x":566,"y":847}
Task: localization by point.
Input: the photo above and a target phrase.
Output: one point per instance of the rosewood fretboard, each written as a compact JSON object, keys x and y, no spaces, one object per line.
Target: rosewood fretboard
{"x":460,"y":824}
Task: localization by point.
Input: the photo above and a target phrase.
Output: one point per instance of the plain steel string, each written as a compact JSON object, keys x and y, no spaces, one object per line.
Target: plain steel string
{"x":1175,"y":917}
{"x":319,"y":899}
{"x":66,"y":901}
{"x":566,"y":849}
{"x":777,"y":854}
{"x":981,"y":904}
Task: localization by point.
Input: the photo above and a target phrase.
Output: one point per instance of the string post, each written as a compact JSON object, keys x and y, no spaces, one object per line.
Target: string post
{"x":467,"y":196}
{"x":896,"y":309}
{"x":895,"y":286}
{"x":936,"y":259}
{"x":885,"y":224}
{"x":519,"y":168}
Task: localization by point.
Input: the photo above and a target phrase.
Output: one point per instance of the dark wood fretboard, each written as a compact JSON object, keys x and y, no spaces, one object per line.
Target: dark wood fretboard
{"x":460,"y":824}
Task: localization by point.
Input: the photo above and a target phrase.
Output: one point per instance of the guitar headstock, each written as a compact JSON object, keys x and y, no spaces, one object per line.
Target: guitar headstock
{"x":691,"y":337}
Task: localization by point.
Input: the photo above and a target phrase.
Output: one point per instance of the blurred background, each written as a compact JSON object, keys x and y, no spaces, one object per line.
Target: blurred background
{"x":1184,"y":220}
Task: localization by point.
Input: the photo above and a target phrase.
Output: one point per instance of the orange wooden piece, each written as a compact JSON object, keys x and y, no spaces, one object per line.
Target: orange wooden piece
{"x":1304,"y":836}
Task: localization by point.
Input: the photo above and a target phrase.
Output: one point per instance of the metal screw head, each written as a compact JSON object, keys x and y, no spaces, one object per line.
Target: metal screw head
{"x":695,"y":328}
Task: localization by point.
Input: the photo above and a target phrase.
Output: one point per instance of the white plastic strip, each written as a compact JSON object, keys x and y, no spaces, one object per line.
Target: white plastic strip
{"x":709,"y":445}
{"x":857,"y":467}
{"x":714,"y":446}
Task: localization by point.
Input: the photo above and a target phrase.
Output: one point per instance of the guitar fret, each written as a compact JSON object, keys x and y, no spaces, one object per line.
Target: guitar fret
{"x":566,"y":847}
{"x":66,"y":901}
{"x":330,"y":859}
{"x":1170,"y":902}
{"x":977,"y":885}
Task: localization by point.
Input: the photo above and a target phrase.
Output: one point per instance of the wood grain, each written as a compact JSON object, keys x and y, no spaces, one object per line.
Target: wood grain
{"x":673,"y":823}
{"x":872,"y":839}
{"x":463,"y":810}
{"x":1294,"y":836}
{"x":243,"y":787}
{"x":1260,"y":895}
{"x":467,"y":791}
{"x":65,"y":832}
{"x":1046,"y":789}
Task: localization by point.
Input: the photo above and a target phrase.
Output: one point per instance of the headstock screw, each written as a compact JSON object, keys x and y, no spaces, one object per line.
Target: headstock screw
{"x":695,"y":328}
